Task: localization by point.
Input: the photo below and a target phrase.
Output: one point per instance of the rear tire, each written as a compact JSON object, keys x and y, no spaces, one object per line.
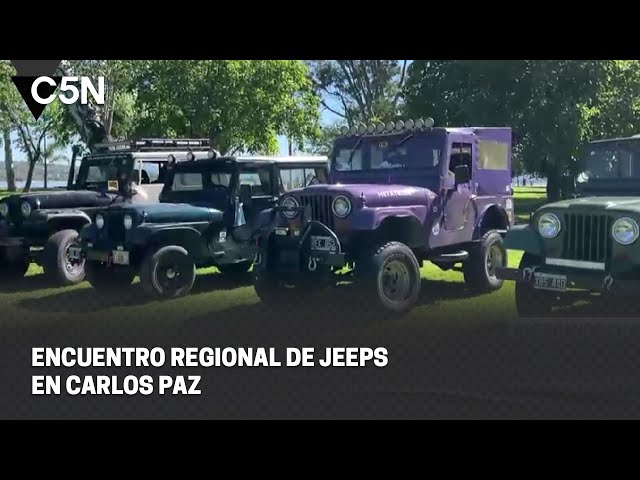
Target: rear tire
{"x":168,"y":272}
{"x":485,"y":256}
{"x":391,"y":277}
{"x":529,"y":301}
{"x":105,"y":278}
{"x":58,"y":267}
{"x":13,"y":265}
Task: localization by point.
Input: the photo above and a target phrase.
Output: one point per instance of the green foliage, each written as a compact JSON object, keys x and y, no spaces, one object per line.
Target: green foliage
{"x":241,"y":105}
{"x":360,"y":90}
{"x":553,"y":105}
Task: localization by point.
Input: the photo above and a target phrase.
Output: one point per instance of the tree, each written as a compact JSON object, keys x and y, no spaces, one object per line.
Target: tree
{"x":8,"y":159}
{"x":360,"y":90}
{"x":9,"y":98}
{"x":554,"y":105}
{"x":240,"y":105}
{"x":31,"y":133}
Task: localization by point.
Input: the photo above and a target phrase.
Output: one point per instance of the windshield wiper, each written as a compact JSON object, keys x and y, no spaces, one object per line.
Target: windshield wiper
{"x":401,"y":142}
{"x":353,"y":151}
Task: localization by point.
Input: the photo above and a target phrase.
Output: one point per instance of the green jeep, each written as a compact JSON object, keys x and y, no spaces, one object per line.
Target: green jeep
{"x":586,"y":245}
{"x":208,"y":213}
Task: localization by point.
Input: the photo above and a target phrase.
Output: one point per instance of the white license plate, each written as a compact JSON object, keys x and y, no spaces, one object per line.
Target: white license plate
{"x":548,"y":281}
{"x":323,"y":244}
{"x":120,"y":257}
{"x":75,"y":253}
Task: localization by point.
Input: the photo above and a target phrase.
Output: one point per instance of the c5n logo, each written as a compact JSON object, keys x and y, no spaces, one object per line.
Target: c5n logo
{"x":37,"y":82}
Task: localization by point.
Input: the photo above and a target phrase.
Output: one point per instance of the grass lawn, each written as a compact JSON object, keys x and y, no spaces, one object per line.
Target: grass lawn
{"x":442,"y":293}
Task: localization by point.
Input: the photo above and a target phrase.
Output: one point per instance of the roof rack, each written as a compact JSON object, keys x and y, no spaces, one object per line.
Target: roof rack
{"x":157,"y":144}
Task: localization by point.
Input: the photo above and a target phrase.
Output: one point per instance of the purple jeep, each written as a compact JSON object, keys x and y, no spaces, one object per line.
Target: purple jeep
{"x":400,"y":194}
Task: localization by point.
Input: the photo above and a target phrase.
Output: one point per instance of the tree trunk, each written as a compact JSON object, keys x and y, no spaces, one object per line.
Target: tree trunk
{"x":27,"y":185}
{"x":8,"y":160}
{"x":553,"y":186}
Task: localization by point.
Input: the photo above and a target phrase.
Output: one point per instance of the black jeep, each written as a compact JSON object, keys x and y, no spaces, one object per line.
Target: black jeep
{"x":207,"y":216}
{"x":42,"y":227}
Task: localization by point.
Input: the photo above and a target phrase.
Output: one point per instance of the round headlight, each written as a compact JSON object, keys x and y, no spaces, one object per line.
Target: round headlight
{"x":290,"y":202}
{"x":341,"y":206}
{"x":99,"y":221}
{"x":625,"y":231}
{"x":4,"y":210}
{"x":25,"y":208}
{"x":190,"y":157}
{"x":128,"y":222}
{"x":549,"y":225}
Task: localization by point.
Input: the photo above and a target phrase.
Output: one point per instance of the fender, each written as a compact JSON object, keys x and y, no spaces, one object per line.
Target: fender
{"x":481,"y":216}
{"x":56,"y":218}
{"x":522,"y":237}
{"x":372,"y":218}
{"x":185,"y":235}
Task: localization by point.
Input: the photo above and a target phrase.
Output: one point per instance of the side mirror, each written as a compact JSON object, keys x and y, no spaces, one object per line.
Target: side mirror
{"x":245,"y":194}
{"x":462,"y":174}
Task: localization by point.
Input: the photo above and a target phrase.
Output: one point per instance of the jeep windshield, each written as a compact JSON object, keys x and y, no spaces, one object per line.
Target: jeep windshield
{"x":610,"y":168}
{"x":608,"y":161}
{"x":98,"y":173}
{"x":407,"y":150}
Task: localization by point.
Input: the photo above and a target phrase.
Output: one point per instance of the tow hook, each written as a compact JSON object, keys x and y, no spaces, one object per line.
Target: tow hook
{"x":258,"y":259}
{"x":312,"y":265}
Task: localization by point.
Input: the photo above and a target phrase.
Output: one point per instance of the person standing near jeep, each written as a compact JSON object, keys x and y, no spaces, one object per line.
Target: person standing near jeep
{"x":401,"y":194}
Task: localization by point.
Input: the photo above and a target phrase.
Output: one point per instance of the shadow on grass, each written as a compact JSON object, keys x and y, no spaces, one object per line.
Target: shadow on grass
{"x":26,"y":284}
{"x":88,"y":300}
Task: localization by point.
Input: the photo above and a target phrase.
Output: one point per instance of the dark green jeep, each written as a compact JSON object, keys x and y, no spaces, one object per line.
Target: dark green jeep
{"x":207,"y":216}
{"x":587,"y":245}
{"x":42,"y":227}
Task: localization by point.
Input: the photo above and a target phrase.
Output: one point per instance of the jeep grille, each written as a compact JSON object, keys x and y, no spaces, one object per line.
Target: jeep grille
{"x":114,"y":227}
{"x":320,"y":208}
{"x":587,"y":237}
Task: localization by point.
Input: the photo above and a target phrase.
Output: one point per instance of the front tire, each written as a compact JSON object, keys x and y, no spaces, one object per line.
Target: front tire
{"x":480,"y":269}
{"x":58,"y":266}
{"x":103,"y":278}
{"x":391,"y":276}
{"x":168,"y":272}
{"x":529,"y":301}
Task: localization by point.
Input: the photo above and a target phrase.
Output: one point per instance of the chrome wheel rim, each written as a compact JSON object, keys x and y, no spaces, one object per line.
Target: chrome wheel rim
{"x":395,"y":281}
{"x":495,"y":259}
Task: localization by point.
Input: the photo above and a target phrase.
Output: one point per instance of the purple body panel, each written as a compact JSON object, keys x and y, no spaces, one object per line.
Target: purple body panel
{"x":448,"y":214}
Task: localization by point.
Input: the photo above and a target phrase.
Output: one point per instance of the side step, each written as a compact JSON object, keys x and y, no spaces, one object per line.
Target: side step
{"x":450,"y":257}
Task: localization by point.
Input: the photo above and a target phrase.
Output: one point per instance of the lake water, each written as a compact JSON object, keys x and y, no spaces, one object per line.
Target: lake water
{"x":35,"y":184}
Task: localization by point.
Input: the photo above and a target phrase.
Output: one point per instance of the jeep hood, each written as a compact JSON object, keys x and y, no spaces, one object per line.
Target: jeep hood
{"x":372,"y":194}
{"x":167,"y":212}
{"x":60,"y":199}
{"x":620,"y":204}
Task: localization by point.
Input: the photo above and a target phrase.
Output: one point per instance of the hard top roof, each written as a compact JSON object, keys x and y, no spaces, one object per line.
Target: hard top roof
{"x":158,"y":156}
{"x":264,"y":160}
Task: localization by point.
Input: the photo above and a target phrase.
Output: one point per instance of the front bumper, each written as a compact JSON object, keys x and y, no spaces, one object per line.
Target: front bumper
{"x":568,"y":280}
{"x":96,"y":248}
{"x":300,"y":250}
